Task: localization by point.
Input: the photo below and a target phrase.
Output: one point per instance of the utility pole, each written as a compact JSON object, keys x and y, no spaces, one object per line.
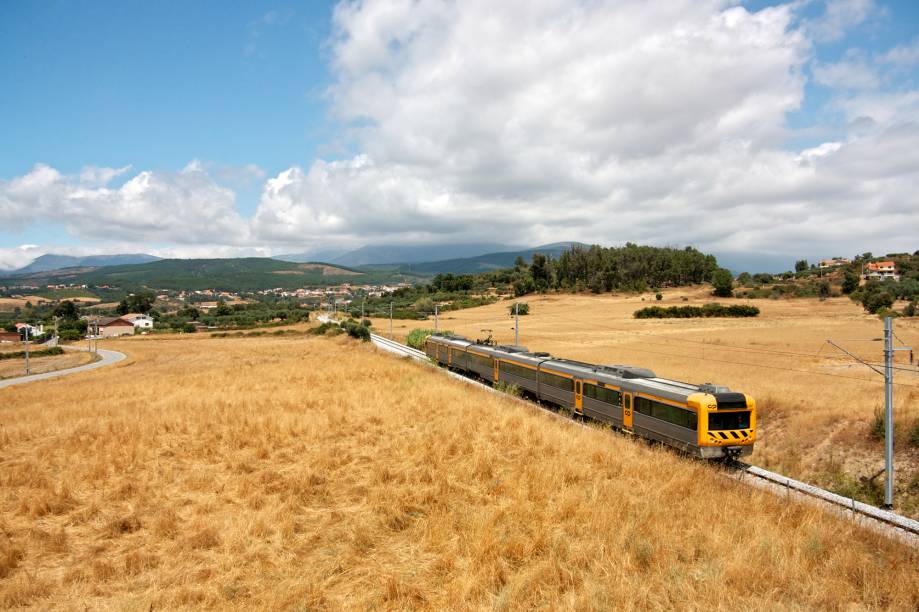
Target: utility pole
{"x":516,"y":323}
{"x":28,"y":369}
{"x":362,"y":310}
{"x":888,"y":410}
{"x":889,"y":350}
{"x":390,"y":321}
{"x":436,"y":328}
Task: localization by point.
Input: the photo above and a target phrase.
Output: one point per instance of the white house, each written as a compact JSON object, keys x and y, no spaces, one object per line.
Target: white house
{"x":34,"y":330}
{"x":881,"y":270}
{"x":140,"y":321}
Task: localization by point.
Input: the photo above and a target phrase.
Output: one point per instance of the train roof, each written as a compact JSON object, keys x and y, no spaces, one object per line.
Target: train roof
{"x":628,"y":376}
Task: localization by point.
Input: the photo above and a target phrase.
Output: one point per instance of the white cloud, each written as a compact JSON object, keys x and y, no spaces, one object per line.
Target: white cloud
{"x":853,"y":73}
{"x":529,"y":122}
{"x":651,"y":122}
{"x":839,"y":17}
{"x":903,"y":55}
{"x":182,"y":207}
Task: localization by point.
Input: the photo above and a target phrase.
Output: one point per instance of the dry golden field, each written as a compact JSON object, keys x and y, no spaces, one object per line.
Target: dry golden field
{"x":816,"y":404}
{"x":320,"y":473}
{"x":10,"y":368}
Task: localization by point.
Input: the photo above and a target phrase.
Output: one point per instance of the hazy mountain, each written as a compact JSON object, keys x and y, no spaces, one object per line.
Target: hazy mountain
{"x":756,"y":262}
{"x":486,"y":262}
{"x":399,"y":254}
{"x":315,"y":255}
{"x":46,"y":263}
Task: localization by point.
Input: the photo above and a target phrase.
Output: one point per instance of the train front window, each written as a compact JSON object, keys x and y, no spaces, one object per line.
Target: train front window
{"x":729,"y":420}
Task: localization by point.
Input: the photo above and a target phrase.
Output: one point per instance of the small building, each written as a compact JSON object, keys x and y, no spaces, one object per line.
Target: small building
{"x":114,"y":326}
{"x":34,"y":330}
{"x":880,"y":270}
{"x":836,"y":261}
{"x":140,"y":321}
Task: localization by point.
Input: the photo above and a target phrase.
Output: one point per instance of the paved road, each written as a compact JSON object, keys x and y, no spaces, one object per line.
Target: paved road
{"x":108,"y":358}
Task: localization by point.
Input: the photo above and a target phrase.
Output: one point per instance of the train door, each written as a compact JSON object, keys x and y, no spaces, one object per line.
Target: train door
{"x":578,"y":398}
{"x":449,"y":357}
{"x":495,"y":374}
{"x":627,"y":410}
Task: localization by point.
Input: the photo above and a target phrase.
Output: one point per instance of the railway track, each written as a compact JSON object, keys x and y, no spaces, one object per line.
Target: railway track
{"x":884,"y":521}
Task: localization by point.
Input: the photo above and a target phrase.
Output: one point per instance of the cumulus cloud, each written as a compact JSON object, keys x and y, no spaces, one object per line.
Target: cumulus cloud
{"x":653,"y":122}
{"x":180,"y":207}
{"x":530,"y":122}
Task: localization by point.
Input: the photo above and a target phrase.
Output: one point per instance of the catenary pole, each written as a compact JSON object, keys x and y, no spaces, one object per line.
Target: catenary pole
{"x":888,"y":410}
{"x":436,"y":327}
{"x":28,"y":369}
{"x":516,"y":323}
{"x":390,"y":321}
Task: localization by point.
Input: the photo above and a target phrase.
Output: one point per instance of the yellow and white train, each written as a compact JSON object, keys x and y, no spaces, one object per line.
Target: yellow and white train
{"x":706,"y":420}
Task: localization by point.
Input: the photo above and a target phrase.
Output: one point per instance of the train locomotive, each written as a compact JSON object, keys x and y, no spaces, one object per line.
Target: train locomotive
{"x":707,"y":421}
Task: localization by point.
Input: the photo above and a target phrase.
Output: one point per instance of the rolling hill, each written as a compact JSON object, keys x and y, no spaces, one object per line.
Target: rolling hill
{"x":243,"y":274}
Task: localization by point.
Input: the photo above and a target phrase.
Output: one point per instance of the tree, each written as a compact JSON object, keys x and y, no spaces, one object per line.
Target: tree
{"x":801,"y":265}
{"x":744,"y":277}
{"x":540,"y":272}
{"x":723,"y":282}
{"x":189,"y":312}
{"x":849,"y":282}
{"x":910,"y":310}
{"x":222,"y":309}
{"x":141,"y":302}
{"x":67,"y":311}
{"x":873,"y":301}
{"x":823,"y":290}
{"x":522,"y":308}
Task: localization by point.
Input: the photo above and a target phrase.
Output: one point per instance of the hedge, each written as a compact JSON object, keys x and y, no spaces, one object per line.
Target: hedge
{"x":54,"y":350}
{"x":691,"y":312}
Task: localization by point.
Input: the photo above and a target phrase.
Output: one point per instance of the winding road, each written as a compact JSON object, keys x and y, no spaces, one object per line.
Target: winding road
{"x":108,"y":358}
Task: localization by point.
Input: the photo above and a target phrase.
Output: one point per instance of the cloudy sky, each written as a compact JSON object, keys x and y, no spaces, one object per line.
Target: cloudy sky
{"x":190,"y":129}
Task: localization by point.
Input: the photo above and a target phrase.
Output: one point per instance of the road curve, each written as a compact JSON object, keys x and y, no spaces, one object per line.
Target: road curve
{"x":108,"y":358}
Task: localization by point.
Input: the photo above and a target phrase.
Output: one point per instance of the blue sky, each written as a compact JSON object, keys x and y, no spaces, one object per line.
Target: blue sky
{"x":304,"y":133}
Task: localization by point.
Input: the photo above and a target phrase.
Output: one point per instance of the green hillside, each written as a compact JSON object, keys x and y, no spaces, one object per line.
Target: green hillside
{"x":246,"y":274}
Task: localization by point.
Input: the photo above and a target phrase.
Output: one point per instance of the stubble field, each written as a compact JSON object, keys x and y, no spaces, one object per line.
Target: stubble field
{"x":817,"y":406}
{"x":12,"y":368}
{"x":320,"y":473}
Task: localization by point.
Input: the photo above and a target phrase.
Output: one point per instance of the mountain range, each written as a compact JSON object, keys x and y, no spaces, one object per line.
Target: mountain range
{"x":398,"y":254}
{"x":49,"y":262}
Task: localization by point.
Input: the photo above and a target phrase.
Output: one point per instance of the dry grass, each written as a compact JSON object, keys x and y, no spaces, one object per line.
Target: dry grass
{"x":816,"y":404}
{"x":10,"y":368}
{"x":319,"y":473}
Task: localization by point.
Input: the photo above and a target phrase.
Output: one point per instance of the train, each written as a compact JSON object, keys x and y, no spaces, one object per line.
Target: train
{"x":706,"y":421}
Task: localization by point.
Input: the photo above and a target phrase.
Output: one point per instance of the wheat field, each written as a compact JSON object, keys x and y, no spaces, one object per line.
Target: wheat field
{"x":12,"y":368}
{"x":321,"y":473}
{"x":817,"y":405}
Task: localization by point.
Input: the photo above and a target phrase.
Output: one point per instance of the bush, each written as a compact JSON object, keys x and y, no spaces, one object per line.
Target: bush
{"x":54,"y":350}
{"x":658,"y":296}
{"x":416,"y":337}
{"x":910,"y":310}
{"x":690,"y":312}
{"x":188,"y":328}
{"x":522,"y":308}
{"x":914,"y":433}
{"x":367,"y":323}
{"x":326,"y":329}
{"x":723,"y":283}
{"x":356,"y":330}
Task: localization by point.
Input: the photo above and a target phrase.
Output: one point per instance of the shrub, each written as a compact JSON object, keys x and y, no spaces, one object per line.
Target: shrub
{"x":658,"y":296}
{"x":689,"y":312}
{"x":723,"y":283}
{"x":330,"y":329}
{"x":522,"y":308}
{"x":914,"y":433}
{"x":54,"y":350}
{"x":416,"y":337}
{"x":367,"y":323}
{"x":356,"y":330}
{"x":910,"y":310}
{"x":188,"y":328}
{"x":510,"y":389}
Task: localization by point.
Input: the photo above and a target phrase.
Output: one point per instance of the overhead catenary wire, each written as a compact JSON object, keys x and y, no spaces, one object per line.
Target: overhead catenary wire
{"x":732,"y":362}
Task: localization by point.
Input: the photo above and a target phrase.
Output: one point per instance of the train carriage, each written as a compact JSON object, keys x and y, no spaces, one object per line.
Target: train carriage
{"x":705,"y":420}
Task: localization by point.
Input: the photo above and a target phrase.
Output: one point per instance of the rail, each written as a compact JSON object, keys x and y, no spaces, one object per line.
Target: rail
{"x":885,"y":521}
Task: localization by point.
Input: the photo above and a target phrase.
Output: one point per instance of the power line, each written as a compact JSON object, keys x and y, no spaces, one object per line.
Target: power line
{"x":754,"y":365}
